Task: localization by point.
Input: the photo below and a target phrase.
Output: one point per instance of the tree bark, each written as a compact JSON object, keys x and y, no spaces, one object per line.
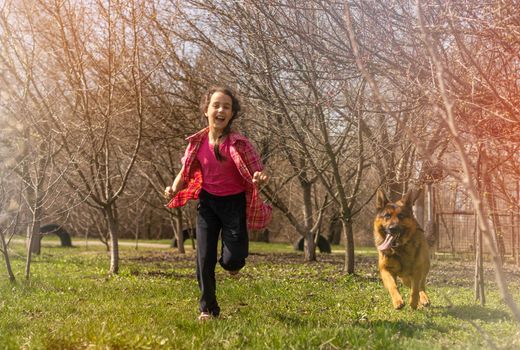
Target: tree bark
{"x":113,"y":229}
{"x":179,"y":233}
{"x":5,"y":253}
{"x":348,"y":235}
{"x":309,"y":246}
{"x":479,"y":267}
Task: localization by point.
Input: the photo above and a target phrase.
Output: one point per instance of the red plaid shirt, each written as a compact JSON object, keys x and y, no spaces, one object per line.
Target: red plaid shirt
{"x":247,"y":162}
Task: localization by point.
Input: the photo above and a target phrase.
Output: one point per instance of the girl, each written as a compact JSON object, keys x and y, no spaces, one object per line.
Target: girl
{"x":222,"y":169}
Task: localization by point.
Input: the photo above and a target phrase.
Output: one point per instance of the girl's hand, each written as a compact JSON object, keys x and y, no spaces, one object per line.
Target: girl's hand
{"x":169,"y":192}
{"x":178,"y":185}
{"x":260,"y":178}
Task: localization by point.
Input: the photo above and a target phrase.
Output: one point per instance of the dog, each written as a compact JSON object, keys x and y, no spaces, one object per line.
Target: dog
{"x":403,"y":250}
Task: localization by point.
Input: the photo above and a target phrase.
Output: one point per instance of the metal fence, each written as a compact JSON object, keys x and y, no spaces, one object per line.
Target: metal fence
{"x":457,"y":233}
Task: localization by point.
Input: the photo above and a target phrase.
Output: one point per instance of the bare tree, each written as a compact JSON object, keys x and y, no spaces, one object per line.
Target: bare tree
{"x":100,"y":120}
{"x":448,"y":110}
{"x":30,"y":105}
{"x":9,"y":206}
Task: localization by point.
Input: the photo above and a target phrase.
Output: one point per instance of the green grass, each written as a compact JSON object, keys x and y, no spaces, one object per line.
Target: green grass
{"x":278,"y":302}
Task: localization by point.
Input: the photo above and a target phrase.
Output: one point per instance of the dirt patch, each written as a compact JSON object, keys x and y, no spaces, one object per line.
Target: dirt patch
{"x":449,"y":272}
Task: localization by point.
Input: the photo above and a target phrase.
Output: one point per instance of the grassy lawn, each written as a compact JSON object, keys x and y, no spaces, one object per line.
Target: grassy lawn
{"x":277,"y":302}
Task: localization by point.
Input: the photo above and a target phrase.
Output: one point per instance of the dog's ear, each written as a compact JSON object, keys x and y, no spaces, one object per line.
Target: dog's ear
{"x":408,"y":199}
{"x":381,"y":200}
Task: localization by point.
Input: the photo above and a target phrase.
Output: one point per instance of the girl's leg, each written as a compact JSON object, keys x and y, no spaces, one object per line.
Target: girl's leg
{"x":208,"y":229}
{"x":235,"y":241}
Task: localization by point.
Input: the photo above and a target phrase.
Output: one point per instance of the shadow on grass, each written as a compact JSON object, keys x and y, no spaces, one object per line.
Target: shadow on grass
{"x":164,"y":274}
{"x":403,"y":328}
{"x":290,"y":319}
{"x":474,"y":312}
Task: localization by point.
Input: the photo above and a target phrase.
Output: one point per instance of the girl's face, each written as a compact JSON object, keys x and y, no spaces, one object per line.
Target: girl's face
{"x":219,"y":111}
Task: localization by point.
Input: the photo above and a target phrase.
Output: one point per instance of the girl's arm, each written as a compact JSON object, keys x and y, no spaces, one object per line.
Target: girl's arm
{"x":178,"y":184}
{"x":254,"y":164}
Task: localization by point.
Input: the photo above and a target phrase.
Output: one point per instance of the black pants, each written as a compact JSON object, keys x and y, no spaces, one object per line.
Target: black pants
{"x":218,"y":214}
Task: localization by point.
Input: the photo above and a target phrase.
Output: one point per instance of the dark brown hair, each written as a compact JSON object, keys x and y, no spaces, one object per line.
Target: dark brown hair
{"x":235,"y":108}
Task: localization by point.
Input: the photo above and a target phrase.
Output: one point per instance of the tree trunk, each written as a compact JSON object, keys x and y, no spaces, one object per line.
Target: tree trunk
{"x":113,"y":230}
{"x":179,"y":233}
{"x":176,"y":223}
{"x":431,"y":227}
{"x":6,"y":257}
{"x":497,"y":224}
{"x":348,"y":234}
{"x":33,"y":233}
{"x":35,"y":196}
{"x":420,"y":208}
{"x":335,"y":229}
{"x":309,"y":246}
{"x":479,"y":267}
{"x":32,"y":246}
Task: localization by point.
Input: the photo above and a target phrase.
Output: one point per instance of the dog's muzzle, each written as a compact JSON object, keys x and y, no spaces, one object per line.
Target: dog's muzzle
{"x":391,"y":241}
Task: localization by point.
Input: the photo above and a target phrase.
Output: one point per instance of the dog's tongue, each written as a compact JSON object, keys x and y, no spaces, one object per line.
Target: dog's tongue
{"x":386,"y":244}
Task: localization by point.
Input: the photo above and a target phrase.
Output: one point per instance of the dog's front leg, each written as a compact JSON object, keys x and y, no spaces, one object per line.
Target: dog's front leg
{"x":414,"y":296}
{"x":390,"y":283}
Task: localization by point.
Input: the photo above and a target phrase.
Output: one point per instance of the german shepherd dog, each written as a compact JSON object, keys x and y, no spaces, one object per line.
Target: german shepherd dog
{"x":402,"y":248}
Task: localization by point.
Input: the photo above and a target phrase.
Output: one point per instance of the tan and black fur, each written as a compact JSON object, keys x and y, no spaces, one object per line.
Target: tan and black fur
{"x":402,"y":249}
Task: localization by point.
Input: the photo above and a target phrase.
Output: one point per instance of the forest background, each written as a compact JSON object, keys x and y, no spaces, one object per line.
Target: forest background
{"x":340,"y":99}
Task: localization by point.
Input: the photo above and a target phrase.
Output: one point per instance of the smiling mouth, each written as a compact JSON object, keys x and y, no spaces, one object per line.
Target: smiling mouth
{"x":391,"y":241}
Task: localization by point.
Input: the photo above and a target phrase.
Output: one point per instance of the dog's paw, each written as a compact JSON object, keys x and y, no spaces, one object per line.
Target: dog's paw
{"x":425,"y":303}
{"x":423,"y":299}
{"x":398,"y":304}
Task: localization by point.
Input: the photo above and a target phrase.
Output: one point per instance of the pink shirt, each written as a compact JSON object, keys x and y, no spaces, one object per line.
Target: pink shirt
{"x":220,"y":178}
